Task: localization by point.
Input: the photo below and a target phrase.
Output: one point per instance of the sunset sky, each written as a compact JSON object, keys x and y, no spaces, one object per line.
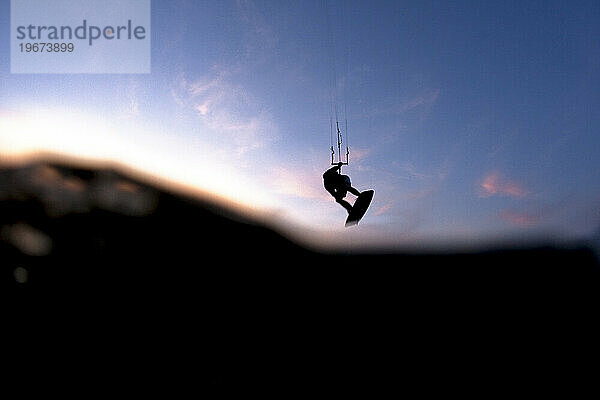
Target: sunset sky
{"x":473,"y":121}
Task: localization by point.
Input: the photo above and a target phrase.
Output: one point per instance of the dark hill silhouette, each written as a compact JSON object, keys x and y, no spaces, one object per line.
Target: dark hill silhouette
{"x":117,"y":284}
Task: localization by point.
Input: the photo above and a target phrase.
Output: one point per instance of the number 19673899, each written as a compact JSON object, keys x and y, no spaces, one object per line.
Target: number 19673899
{"x":47,"y":47}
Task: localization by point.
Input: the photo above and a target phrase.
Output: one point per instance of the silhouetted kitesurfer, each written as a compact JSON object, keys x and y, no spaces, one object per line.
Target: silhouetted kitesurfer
{"x":339,"y":185}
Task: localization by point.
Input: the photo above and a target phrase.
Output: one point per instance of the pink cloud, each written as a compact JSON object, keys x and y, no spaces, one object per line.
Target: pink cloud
{"x":494,"y":184}
{"x":203,"y":108}
{"x":520,"y":218}
{"x":383,"y":209}
{"x":420,"y":194}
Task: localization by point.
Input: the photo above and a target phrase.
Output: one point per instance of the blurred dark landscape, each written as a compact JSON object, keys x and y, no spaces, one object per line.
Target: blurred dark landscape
{"x":110,"y":282}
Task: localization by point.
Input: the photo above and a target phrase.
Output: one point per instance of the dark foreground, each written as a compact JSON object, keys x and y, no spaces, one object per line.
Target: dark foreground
{"x":114,"y":286}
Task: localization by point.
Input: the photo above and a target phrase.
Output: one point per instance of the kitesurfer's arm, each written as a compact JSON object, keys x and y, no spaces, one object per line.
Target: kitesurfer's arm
{"x":333,"y":169}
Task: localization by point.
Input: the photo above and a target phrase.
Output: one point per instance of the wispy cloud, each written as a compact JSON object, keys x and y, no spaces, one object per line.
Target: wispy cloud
{"x":495,"y":184}
{"x":555,"y":212}
{"x":226,"y":109}
{"x":520,"y":218}
{"x":420,"y":194}
{"x":259,"y":36}
{"x":222,"y":103}
{"x":423,"y":100}
{"x":417,"y":103}
{"x":410,"y":171}
{"x":384,"y":208}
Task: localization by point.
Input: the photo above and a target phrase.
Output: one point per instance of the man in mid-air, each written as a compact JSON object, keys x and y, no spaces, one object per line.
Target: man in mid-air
{"x":339,"y":185}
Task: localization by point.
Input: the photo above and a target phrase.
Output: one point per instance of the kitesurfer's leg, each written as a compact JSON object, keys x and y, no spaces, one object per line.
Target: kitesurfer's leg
{"x":344,"y":204}
{"x":353,"y":191}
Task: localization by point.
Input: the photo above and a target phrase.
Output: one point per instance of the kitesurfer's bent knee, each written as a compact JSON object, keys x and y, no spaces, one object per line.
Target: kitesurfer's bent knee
{"x":344,"y":204}
{"x":353,"y":191}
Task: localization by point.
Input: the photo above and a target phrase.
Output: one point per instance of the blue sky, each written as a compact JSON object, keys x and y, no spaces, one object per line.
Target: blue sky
{"x":473,"y":121}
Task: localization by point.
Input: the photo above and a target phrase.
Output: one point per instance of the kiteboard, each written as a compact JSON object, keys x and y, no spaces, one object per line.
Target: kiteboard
{"x":360,"y":207}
